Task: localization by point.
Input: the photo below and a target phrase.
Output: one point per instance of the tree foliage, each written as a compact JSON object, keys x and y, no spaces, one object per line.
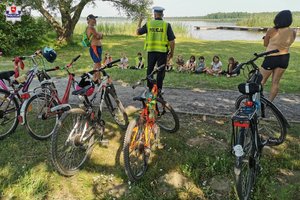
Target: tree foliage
{"x":21,"y":35}
{"x":70,"y":12}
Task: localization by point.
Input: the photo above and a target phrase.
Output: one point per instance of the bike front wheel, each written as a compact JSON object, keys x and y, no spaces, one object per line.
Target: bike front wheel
{"x":116,"y":109}
{"x":9,"y":112}
{"x":39,"y":120}
{"x":135,"y":157}
{"x":72,"y":142}
{"x":167,"y":118}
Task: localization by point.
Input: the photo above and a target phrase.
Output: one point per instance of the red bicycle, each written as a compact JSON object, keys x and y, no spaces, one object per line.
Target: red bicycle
{"x":44,"y":107}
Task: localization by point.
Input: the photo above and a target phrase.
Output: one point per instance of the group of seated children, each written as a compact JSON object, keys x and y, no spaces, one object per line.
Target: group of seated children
{"x":215,"y":67}
{"x":124,"y":62}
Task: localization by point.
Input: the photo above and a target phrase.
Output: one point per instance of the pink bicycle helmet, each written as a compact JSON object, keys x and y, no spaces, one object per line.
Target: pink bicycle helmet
{"x":83,"y":83}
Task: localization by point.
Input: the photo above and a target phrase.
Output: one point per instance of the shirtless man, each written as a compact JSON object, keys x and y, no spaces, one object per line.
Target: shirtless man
{"x":96,"y":43}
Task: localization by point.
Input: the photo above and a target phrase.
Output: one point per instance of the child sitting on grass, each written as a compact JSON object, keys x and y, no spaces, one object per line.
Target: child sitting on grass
{"x":191,"y":64}
{"x":201,"y":66}
{"x":123,"y":62}
{"x":107,"y":59}
{"x":216,"y":67}
{"x":180,"y":63}
{"x":232,"y":64}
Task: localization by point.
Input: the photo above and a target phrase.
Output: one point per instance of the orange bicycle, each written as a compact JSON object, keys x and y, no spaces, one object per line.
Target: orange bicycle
{"x":143,"y":132}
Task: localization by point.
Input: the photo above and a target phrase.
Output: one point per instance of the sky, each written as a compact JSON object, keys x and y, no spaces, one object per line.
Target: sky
{"x":201,"y":7}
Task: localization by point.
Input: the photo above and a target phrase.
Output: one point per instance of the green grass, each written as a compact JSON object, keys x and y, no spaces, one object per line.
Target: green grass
{"x":115,"y":45}
{"x":26,"y":171}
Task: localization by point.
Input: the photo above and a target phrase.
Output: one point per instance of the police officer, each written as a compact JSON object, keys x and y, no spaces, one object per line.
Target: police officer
{"x":159,"y":43}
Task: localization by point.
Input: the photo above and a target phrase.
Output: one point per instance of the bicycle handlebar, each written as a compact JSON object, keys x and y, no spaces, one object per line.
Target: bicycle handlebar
{"x":240,"y":66}
{"x":266,"y":53}
{"x":148,"y":77}
{"x":108,"y":65}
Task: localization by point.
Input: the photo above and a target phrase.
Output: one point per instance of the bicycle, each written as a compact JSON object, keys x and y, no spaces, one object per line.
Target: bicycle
{"x":74,"y":135}
{"x":143,"y":131}
{"x":44,"y":107}
{"x":250,"y":124}
{"x":12,"y":101}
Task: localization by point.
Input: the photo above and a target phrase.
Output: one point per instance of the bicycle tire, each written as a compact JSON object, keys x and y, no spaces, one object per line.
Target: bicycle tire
{"x":167,"y":118}
{"x":4,"y":132}
{"x":268,"y":129}
{"x":116,"y":109}
{"x":61,"y":134}
{"x":38,"y":125}
{"x":132,"y":174}
{"x":245,"y":165}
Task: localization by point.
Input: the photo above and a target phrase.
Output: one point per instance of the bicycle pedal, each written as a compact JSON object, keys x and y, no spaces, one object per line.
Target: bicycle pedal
{"x":104,"y":142}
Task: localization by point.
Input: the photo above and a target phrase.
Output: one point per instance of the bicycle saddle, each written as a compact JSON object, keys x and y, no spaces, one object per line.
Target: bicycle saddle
{"x":82,"y":91}
{"x":249,"y":88}
{"x":6,"y":74}
{"x":141,"y":97}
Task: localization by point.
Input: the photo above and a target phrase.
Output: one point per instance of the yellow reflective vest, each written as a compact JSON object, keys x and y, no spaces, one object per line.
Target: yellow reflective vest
{"x":156,"y":38}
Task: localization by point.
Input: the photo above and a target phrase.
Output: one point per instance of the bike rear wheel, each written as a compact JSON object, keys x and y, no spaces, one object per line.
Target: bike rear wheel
{"x":9,"y":112}
{"x":245,"y":165}
{"x":271,"y":123}
{"x":68,"y":150}
{"x":135,"y":158}
{"x":116,"y":109}
{"x":167,"y":118}
{"x":39,"y":120}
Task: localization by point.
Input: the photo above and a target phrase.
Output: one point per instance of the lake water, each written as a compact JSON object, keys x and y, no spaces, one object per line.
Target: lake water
{"x":208,"y":34}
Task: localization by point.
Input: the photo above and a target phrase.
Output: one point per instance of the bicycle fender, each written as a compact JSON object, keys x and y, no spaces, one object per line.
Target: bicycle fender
{"x":22,"y":112}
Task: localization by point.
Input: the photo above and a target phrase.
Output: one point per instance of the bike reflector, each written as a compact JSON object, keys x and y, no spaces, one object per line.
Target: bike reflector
{"x":249,"y":103}
{"x":242,"y":124}
{"x":25,"y":96}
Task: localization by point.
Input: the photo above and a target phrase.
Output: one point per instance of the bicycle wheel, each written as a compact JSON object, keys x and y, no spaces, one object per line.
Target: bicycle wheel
{"x":9,"y":112}
{"x":167,"y":118}
{"x":245,"y":165}
{"x":116,"y":109}
{"x":39,"y":120}
{"x":135,"y":158}
{"x":68,"y":149}
{"x":271,"y":124}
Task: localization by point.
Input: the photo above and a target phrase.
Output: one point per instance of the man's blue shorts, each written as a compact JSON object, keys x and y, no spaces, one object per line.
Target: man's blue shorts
{"x":96,"y":53}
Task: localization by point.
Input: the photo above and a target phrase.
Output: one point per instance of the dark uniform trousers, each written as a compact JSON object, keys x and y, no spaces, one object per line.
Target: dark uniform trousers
{"x":159,"y":59}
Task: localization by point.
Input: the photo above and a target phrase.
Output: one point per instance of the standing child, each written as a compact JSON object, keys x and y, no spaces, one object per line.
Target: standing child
{"x":216,"y":66}
{"x":201,"y":66}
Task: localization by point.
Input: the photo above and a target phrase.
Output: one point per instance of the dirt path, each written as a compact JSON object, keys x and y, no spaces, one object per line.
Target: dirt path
{"x":198,"y":101}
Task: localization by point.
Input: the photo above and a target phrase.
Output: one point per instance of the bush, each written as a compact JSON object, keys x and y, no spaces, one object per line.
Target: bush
{"x":21,"y":36}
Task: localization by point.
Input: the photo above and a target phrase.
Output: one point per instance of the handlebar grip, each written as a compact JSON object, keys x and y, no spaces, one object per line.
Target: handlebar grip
{"x":76,"y":58}
{"x":113,"y":62}
{"x":53,"y":69}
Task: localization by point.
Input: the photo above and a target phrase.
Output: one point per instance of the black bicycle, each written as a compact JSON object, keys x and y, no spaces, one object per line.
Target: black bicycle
{"x":256,"y":123}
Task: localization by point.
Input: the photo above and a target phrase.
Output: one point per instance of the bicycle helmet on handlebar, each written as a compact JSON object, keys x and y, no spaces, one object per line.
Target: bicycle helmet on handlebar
{"x":83,"y":83}
{"x":49,"y":54}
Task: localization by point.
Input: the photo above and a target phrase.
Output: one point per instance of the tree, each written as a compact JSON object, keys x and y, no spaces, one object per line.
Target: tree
{"x":70,"y":12}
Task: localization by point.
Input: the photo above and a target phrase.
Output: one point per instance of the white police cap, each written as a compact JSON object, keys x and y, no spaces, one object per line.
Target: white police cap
{"x":158,"y":9}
